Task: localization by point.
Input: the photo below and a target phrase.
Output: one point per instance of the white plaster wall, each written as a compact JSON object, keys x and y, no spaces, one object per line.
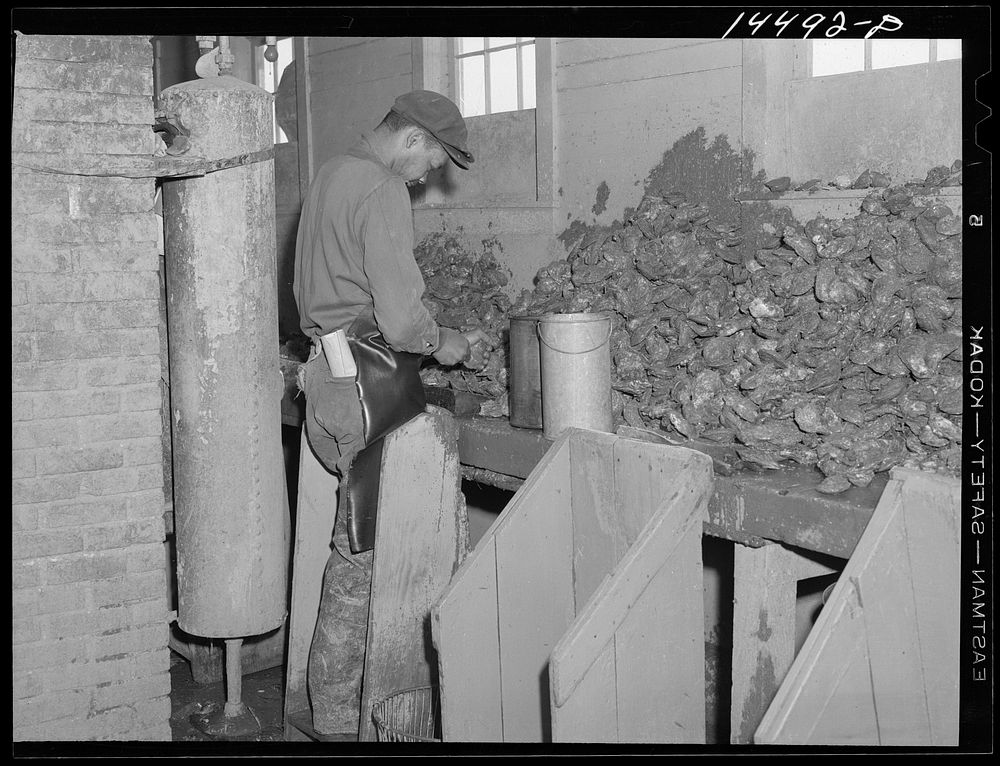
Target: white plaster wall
{"x":621,"y":103}
{"x":353,"y":82}
{"x":900,"y":121}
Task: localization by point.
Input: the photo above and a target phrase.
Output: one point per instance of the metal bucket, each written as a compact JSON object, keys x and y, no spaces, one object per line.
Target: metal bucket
{"x":575,"y":358}
{"x":525,"y":374}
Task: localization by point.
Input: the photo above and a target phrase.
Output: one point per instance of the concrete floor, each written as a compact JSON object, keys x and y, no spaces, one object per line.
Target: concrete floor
{"x":262,"y":693}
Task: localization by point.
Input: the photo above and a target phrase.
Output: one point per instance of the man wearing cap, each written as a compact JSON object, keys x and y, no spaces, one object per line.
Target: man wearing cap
{"x":354,"y":255}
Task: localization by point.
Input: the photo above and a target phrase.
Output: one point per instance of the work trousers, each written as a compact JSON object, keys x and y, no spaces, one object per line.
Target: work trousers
{"x":337,"y":654}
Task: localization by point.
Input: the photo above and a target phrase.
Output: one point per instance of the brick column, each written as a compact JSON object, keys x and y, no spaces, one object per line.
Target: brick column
{"x":89,"y":575}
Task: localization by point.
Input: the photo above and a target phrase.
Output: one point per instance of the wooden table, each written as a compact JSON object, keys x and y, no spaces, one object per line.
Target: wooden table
{"x":751,"y":507}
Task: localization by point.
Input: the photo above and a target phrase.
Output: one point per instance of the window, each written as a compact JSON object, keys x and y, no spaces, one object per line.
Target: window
{"x":269,"y":74}
{"x":494,"y":74}
{"x":841,"y":56}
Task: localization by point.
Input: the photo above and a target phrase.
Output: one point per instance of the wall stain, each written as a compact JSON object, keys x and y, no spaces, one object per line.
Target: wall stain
{"x":763,"y":685}
{"x":764,"y":631}
{"x":603,"y":192}
{"x":709,"y":174}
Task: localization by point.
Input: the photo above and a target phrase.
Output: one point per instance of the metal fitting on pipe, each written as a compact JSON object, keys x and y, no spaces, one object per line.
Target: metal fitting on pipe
{"x":205,"y":43}
{"x":226,"y":58}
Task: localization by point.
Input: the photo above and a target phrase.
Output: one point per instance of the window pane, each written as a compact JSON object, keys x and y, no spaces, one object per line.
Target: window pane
{"x":837,"y":56}
{"x":949,"y":49}
{"x":471,"y":90}
{"x":284,"y":101}
{"x":503,"y":81}
{"x":887,"y":53}
{"x":468,"y":44}
{"x":286,"y":51}
{"x":525,"y":39}
{"x":496,"y":42}
{"x":528,"y":75}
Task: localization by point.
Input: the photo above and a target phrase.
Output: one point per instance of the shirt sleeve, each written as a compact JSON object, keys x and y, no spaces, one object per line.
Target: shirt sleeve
{"x":393,"y":275}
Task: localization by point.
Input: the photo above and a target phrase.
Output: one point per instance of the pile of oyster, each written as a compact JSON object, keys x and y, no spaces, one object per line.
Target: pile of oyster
{"x":464,"y":290}
{"x":835,"y":344}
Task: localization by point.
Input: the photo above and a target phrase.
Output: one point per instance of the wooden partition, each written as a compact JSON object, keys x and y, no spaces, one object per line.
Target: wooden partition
{"x":880,"y":666}
{"x":421,"y":537}
{"x":579,"y":615}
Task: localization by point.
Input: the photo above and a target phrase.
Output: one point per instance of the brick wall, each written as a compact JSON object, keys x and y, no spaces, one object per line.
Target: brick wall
{"x":89,"y":576}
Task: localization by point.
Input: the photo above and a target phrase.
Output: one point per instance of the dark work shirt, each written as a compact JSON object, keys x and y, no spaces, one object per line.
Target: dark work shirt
{"x":354,"y":253}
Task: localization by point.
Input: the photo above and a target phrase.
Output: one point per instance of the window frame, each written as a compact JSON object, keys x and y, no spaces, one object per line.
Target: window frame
{"x":433,"y":70}
{"x":931,"y":53}
{"x":517,"y":46}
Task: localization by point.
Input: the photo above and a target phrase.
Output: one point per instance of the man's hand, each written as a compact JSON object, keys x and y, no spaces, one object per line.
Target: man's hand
{"x":479,"y":342}
{"x":453,"y":346}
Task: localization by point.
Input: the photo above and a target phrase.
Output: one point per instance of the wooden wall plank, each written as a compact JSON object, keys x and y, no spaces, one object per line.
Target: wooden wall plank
{"x":321,"y":45}
{"x":573,"y":51}
{"x":421,"y":538}
{"x":653,"y":96}
{"x":466,"y":636}
{"x":655,"y":65}
{"x":534,"y":597}
{"x":590,"y":715}
{"x":598,"y":536}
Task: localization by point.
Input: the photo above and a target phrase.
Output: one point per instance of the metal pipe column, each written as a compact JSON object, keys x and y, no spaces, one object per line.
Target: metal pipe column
{"x":231,"y":518}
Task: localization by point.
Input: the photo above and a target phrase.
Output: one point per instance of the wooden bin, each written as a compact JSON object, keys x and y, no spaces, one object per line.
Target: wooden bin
{"x":579,"y":615}
{"x":881,"y":664}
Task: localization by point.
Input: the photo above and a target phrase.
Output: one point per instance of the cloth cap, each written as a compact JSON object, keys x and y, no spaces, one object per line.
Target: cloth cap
{"x":440,"y":117}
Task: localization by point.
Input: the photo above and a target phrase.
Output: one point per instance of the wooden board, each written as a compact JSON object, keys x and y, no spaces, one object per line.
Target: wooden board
{"x":881,"y":664}
{"x":494,"y":444}
{"x":598,"y":534}
{"x":662,"y":640}
{"x":468,"y":628}
{"x":636,"y":650}
{"x":764,"y":609}
{"x":580,"y":719}
{"x":465,"y":631}
{"x":421,"y":537}
{"x":535,"y":601}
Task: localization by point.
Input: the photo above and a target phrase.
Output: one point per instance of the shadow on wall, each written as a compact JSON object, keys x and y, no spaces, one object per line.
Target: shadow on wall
{"x":710,"y":174}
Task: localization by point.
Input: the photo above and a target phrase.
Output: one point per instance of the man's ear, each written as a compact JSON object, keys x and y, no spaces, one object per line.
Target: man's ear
{"x":412,"y":137}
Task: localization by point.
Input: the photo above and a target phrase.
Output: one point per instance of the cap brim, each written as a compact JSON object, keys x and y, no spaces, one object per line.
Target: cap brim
{"x":460,"y":158}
